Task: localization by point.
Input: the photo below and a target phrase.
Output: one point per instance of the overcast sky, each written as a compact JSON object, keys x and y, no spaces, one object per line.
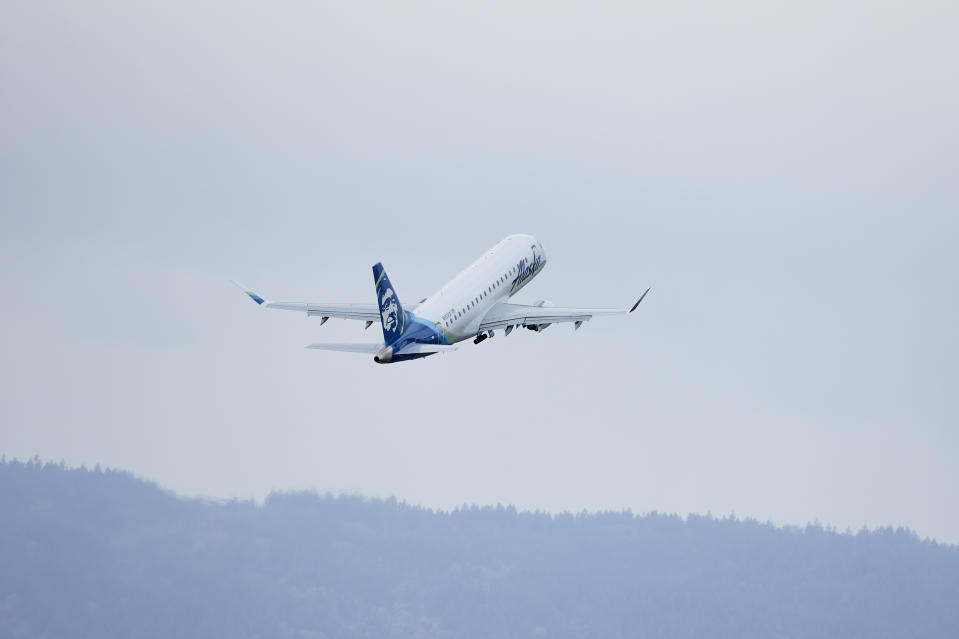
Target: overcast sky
{"x":784,"y":175}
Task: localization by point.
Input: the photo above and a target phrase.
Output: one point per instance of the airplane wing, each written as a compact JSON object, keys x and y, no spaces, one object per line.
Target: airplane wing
{"x":540,"y":316}
{"x":325,"y":310}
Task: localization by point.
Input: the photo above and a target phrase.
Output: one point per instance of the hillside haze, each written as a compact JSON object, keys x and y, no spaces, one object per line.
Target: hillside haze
{"x":91,"y":553}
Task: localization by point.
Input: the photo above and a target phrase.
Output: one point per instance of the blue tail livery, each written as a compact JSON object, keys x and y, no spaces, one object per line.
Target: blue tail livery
{"x":392,"y":316}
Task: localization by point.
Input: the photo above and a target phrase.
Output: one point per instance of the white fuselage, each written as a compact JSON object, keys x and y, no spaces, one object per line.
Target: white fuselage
{"x":460,"y":305}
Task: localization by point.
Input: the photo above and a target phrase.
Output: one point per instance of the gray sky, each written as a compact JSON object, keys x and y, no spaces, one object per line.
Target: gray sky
{"x":782,"y":174}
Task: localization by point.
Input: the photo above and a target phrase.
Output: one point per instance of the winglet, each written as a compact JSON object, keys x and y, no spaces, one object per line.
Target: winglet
{"x":253,"y":296}
{"x":639,"y":300}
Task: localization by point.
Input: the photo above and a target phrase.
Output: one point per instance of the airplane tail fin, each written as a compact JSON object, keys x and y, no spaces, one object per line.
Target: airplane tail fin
{"x":392,"y":315}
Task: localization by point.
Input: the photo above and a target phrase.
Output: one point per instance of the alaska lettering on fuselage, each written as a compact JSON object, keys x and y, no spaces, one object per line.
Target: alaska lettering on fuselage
{"x":527,"y":269}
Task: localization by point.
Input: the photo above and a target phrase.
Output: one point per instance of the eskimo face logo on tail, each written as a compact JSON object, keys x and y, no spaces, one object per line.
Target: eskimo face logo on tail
{"x":388,"y":309}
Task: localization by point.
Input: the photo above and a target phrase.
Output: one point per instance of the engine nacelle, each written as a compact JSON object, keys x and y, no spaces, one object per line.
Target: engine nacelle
{"x":539,"y":328}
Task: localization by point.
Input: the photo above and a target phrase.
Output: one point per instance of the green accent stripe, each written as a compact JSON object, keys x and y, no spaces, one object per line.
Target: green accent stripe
{"x":382,"y":273}
{"x":446,"y":332}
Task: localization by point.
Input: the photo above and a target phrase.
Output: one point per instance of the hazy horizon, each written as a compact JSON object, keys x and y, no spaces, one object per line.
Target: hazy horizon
{"x":101,"y":554}
{"x":398,"y":499}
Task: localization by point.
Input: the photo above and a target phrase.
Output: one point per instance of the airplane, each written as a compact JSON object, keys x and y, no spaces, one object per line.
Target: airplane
{"x":474,"y":304}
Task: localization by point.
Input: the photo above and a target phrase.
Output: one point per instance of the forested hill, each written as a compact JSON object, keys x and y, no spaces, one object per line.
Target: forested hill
{"x":102,"y":554}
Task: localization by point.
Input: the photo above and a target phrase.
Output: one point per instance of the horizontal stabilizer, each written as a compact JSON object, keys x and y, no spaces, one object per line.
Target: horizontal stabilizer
{"x":347,"y":348}
{"x":420,"y":349}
